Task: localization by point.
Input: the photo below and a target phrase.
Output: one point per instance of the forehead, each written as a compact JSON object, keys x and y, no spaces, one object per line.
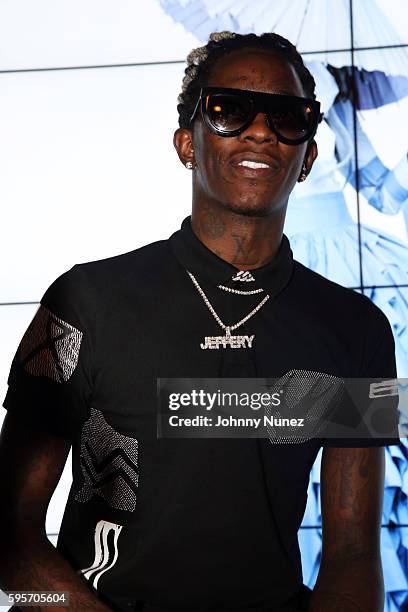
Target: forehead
{"x":258,"y":70}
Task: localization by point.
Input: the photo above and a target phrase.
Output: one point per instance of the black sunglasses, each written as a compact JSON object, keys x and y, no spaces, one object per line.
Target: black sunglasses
{"x":229,"y":112}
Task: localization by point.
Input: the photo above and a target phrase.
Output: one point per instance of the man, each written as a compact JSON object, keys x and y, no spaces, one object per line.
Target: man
{"x":189,"y":524}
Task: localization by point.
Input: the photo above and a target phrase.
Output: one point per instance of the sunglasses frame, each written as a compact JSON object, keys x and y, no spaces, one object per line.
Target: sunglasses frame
{"x":260,"y":103}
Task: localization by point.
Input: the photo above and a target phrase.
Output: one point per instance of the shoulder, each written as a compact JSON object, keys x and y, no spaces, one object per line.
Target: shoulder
{"x":111,"y":272}
{"x":345,"y":320}
{"x":139,"y":262}
{"x":93,"y":287}
{"x":335,"y":302}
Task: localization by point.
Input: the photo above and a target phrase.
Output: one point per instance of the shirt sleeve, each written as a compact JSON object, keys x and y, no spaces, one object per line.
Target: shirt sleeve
{"x":377,"y":365}
{"x":50,"y":379}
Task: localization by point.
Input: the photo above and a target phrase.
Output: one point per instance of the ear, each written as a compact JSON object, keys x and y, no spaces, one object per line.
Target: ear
{"x":310,"y":155}
{"x":183,"y":144}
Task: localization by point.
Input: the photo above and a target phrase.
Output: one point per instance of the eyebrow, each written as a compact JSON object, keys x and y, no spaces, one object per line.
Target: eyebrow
{"x":281,"y":91}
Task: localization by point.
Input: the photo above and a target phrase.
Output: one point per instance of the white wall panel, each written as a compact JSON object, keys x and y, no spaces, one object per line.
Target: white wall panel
{"x":87,"y":169}
{"x":372,"y":30}
{"x":55,"y":33}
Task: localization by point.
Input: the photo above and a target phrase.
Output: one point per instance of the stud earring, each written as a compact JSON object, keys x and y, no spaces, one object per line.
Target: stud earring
{"x":303,"y":174}
{"x":189,"y":165}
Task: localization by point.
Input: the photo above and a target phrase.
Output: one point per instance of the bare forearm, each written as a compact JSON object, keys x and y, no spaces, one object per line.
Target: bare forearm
{"x":352,"y":486}
{"x":354,"y":587}
{"x":35,"y":565}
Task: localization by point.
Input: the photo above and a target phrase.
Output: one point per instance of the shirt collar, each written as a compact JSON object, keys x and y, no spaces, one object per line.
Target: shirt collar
{"x":194,"y":256}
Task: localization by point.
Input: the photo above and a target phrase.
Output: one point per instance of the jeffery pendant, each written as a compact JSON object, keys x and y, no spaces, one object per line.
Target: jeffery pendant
{"x":227,"y":341}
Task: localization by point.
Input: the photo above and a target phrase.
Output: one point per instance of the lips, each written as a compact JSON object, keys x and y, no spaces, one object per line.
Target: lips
{"x":254,"y":164}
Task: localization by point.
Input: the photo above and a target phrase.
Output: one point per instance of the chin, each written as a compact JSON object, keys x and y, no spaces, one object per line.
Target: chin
{"x":250,"y":209}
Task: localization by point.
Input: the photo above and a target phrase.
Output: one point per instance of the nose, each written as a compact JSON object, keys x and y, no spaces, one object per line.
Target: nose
{"x":259,"y":131}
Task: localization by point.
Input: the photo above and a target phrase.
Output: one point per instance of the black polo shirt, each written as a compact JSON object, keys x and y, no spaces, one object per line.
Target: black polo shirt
{"x":184,"y":523}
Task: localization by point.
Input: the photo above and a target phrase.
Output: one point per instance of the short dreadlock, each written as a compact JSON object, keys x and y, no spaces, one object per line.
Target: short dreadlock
{"x":201,"y":60}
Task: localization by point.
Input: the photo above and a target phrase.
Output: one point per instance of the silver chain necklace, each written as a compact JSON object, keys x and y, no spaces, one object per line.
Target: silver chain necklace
{"x":239,"y":291}
{"x":216,"y":342}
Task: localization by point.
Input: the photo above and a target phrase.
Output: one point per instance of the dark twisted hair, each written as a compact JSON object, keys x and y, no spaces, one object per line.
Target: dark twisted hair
{"x":201,"y":60}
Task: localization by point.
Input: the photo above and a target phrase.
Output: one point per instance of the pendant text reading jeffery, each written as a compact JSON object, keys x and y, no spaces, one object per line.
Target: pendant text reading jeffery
{"x":227,"y":341}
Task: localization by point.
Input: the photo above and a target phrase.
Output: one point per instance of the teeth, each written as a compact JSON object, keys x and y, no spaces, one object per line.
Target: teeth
{"x":253,"y":164}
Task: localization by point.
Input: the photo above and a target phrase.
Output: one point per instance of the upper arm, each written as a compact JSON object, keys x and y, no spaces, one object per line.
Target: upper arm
{"x":31,"y":463}
{"x":352,"y":489}
{"x":50,"y":385}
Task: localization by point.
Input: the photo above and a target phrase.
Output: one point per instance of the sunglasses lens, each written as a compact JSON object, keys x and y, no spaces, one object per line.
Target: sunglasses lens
{"x":292,"y":121}
{"x":227,"y":112}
